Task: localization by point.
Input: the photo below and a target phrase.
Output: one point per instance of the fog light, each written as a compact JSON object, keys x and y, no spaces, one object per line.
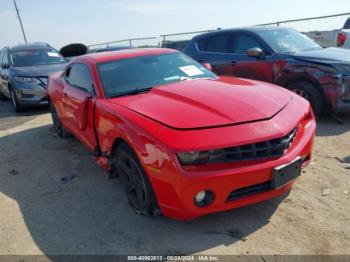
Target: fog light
{"x":204,"y":198}
{"x":200,"y":196}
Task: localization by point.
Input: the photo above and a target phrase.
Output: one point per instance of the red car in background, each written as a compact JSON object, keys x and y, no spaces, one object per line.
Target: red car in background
{"x":184,"y":141}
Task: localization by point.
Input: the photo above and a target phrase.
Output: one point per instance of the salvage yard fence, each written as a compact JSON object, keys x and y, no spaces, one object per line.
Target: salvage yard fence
{"x":309,"y":26}
{"x":179,"y":40}
{"x":136,"y":42}
{"x":320,"y":23}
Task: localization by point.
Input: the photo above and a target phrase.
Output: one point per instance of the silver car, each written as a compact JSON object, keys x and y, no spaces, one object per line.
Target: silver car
{"x":24,"y":70}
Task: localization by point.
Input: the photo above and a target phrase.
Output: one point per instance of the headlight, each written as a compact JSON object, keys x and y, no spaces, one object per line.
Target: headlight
{"x":193,"y":157}
{"x":29,"y":80}
{"x":342,"y":68}
{"x":342,"y":84}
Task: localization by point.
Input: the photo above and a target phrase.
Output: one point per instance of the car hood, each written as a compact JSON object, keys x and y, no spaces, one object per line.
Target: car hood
{"x":38,"y":71}
{"x":325,"y":55}
{"x":208,"y":103}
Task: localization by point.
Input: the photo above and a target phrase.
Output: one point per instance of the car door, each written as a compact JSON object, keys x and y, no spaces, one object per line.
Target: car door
{"x":78,"y":102}
{"x":4,"y":73}
{"x":245,"y":66}
{"x":214,"y":49}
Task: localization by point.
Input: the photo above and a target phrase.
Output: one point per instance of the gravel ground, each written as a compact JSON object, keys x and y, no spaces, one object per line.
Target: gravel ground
{"x":90,"y":215}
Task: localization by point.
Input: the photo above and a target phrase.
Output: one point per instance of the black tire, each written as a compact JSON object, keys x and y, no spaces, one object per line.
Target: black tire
{"x":311,"y":93}
{"x":57,"y":124}
{"x":15,"y":103}
{"x":137,"y":186}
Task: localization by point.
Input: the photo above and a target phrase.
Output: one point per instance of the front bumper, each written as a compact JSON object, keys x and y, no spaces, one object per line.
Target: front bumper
{"x":176,"y":197}
{"x":35,"y":95}
{"x":338,"y":94}
{"x":344,"y":101}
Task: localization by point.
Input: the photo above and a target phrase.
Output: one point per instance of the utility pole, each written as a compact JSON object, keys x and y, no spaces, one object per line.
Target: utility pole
{"x":20,"y":21}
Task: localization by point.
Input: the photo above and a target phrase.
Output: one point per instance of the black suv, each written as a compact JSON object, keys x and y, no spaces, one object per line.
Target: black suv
{"x":282,"y":56}
{"x":24,"y":70}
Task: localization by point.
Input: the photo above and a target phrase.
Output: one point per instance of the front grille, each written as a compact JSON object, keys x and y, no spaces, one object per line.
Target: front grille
{"x":43,"y":81}
{"x":249,"y":191}
{"x":259,"y":151}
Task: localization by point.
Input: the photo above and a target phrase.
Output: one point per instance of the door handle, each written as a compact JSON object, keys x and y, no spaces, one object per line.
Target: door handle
{"x":65,"y":94}
{"x":233,"y":63}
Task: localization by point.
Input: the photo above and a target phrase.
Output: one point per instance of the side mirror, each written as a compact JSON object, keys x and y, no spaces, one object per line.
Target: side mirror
{"x":207,"y":66}
{"x":256,"y":52}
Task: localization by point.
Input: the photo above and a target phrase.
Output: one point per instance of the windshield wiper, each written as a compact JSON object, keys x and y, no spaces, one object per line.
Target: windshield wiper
{"x":134,"y":91}
{"x":185,"y":78}
{"x":196,"y":78}
{"x":205,"y":78}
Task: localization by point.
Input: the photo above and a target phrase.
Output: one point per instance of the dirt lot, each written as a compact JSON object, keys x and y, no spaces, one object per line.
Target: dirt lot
{"x":90,"y":215}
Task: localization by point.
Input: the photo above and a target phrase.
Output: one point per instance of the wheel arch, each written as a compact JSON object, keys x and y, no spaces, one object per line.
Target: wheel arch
{"x":317,"y":99}
{"x":308,"y":79}
{"x":118,"y":141}
{"x":134,"y":144}
{"x":303,"y":78}
{"x":153,"y":202}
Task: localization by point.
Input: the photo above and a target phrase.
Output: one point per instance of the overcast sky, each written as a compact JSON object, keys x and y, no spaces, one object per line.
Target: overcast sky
{"x":59,"y":22}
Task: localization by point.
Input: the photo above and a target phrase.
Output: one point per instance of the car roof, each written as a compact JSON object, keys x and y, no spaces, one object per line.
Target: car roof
{"x":29,"y":46}
{"x":254,"y":29}
{"x":122,"y":54}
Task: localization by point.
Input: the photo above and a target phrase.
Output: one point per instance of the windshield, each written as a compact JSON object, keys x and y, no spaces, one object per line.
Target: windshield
{"x":35,"y":57}
{"x":125,"y":76}
{"x":287,"y":41}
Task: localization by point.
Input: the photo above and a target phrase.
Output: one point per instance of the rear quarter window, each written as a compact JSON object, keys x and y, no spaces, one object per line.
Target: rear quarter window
{"x":217,"y":43}
{"x":79,"y":76}
{"x":201,"y":44}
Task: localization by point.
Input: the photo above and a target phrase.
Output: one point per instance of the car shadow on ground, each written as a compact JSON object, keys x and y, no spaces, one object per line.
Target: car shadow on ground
{"x":10,"y":119}
{"x":328,"y":126}
{"x":85,"y":213}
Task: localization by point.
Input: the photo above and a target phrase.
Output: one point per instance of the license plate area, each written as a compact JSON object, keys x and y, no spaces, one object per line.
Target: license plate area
{"x":283,"y":174}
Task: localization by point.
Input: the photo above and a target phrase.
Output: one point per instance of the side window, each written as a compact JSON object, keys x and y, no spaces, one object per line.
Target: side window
{"x":78,"y":75}
{"x":242,"y":42}
{"x":202,"y":44}
{"x":218,"y":44}
{"x":66,"y":74}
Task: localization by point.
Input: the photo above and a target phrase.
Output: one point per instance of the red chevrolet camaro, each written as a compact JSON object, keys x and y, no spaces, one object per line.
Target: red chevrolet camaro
{"x":184,"y":141}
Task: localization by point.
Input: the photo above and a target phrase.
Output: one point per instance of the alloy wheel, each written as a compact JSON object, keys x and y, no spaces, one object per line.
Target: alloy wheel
{"x":135,"y":186}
